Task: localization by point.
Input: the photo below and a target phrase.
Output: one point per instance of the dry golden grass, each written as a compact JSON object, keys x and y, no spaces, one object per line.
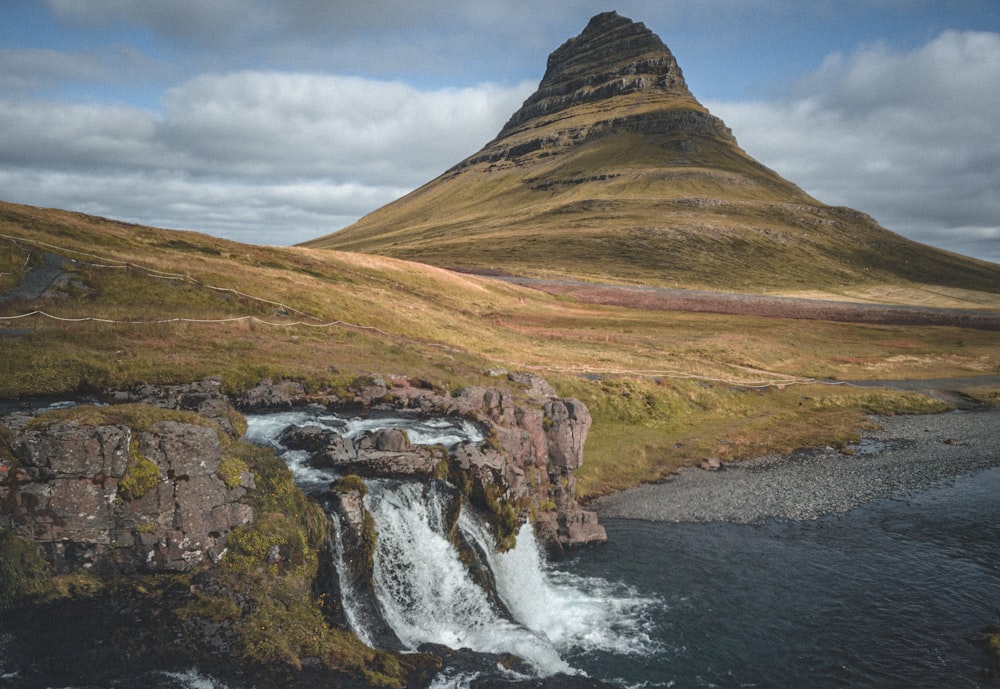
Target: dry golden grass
{"x":676,"y":207}
{"x":914,"y":295}
{"x":191,"y":306}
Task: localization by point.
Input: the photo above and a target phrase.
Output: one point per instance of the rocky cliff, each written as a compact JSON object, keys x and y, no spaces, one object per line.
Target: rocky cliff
{"x":177,"y":544}
{"x":612,"y":57}
{"x":524,"y":469}
{"x":146,"y":484}
{"x":123,"y":488}
{"x":616,"y":77}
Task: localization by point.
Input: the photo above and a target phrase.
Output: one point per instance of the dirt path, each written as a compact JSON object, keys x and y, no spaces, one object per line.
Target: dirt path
{"x":665,"y":299}
{"x":37,"y":279}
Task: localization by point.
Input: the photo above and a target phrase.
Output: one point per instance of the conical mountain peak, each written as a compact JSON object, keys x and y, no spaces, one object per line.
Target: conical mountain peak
{"x":612,"y":171}
{"x":617,"y":76}
{"x":613,"y":56}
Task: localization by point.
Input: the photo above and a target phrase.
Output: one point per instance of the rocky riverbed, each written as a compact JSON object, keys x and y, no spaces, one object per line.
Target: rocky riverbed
{"x":907,"y":454}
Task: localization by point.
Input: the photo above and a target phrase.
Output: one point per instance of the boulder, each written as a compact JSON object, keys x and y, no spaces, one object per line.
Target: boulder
{"x":420,"y":463}
{"x":711,"y":464}
{"x":204,"y":397}
{"x":270,"y":396}
{"x":567,"y":423}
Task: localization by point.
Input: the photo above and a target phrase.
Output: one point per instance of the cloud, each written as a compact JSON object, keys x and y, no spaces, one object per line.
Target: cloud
{"x":261,"y":157}
{"x":303,"y":148}
{"x":266,"y":123}
{"x":908,"y":137}
{"x":32,"y":70}
{"x":332,"y":33}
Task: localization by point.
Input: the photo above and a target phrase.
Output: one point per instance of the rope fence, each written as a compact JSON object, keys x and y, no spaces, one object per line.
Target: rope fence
{"x":318,"y":324}
{"x":234,"y":319}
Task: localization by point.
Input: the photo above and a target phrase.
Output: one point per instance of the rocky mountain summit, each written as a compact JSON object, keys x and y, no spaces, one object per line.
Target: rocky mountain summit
{"x":612,"y":171}
{"x":612,"y":57}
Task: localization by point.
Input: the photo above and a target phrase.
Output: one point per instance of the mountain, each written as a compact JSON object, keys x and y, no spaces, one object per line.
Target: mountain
{"x":613,"y":171}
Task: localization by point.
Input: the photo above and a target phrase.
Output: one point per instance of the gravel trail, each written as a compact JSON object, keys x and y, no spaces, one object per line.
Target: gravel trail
{"x":908,"y":454}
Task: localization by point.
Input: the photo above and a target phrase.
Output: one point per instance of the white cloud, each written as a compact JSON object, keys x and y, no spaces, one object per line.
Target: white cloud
{"x":910,"y":138}
{"x":261,"y":157}
{"x":308,"y":124}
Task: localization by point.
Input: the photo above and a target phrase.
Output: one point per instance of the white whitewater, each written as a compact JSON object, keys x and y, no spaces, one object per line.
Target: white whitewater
{"x":573,"y":613}
{"x":425,"y":592}
{"x":264,"y":429}
{"x":348,"y":597}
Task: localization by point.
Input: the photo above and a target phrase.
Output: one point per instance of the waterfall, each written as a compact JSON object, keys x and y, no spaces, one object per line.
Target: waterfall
{"x":570,"y":612}
{"x":427,"y":594}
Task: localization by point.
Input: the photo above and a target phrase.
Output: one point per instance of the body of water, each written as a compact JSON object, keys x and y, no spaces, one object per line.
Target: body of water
{"x":888,"y":595}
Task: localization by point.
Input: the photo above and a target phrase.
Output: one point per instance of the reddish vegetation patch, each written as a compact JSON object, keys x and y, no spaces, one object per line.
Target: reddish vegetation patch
{"x":663,"y":299}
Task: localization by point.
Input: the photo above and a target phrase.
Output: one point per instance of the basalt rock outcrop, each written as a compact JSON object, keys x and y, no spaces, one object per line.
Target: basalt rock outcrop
{"x":144,"y":483}
{"x":613,"y":56}
{"x":119,"y":496}
{"x":613,"y":59}
{"x":524,"y":468}
{"x":147,"y":490}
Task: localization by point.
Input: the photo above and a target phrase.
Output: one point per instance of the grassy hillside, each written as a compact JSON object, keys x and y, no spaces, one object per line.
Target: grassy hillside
{"x":137,"y":304}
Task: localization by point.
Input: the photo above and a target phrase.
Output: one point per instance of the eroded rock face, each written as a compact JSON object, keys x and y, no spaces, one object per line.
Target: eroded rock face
{"x":531,"y":450}
{"x":172,"y":512}
{"x":612,"y":56}
{"x":71,"y":486}
{"x":271,"y":396}
{"x":610,"y":64}
{"x":204,"y":397}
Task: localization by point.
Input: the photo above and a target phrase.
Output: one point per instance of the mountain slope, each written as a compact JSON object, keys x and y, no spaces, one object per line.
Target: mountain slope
{"x":613,"y":171}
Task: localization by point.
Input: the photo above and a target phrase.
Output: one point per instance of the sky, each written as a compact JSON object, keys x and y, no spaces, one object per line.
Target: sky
{"x":272,"y":123}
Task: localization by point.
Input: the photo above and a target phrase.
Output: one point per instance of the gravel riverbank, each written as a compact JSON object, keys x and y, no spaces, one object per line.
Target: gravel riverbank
{"x":908,"y":453}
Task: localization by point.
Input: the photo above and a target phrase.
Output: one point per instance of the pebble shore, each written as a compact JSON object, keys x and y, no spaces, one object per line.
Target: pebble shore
{"x":908,"y":454}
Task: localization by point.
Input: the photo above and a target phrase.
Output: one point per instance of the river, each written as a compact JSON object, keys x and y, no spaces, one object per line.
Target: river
{"x":887,"y":595}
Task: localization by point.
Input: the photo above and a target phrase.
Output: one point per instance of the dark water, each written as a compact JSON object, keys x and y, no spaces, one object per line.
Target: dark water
{"x":888,"y":595}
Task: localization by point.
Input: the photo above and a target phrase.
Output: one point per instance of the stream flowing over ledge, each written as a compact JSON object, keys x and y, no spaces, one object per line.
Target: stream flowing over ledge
{"x":154,"y":482}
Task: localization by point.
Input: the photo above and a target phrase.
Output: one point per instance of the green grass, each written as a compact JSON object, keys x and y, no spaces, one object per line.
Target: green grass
{"x":24,"y":574}
{"x":644,"y":429}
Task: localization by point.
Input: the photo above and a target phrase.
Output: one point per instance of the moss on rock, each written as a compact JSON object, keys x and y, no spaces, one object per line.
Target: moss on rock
{"x":351,"y":482}
{"x":141,"y":474}
{"x":24,"y":574}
